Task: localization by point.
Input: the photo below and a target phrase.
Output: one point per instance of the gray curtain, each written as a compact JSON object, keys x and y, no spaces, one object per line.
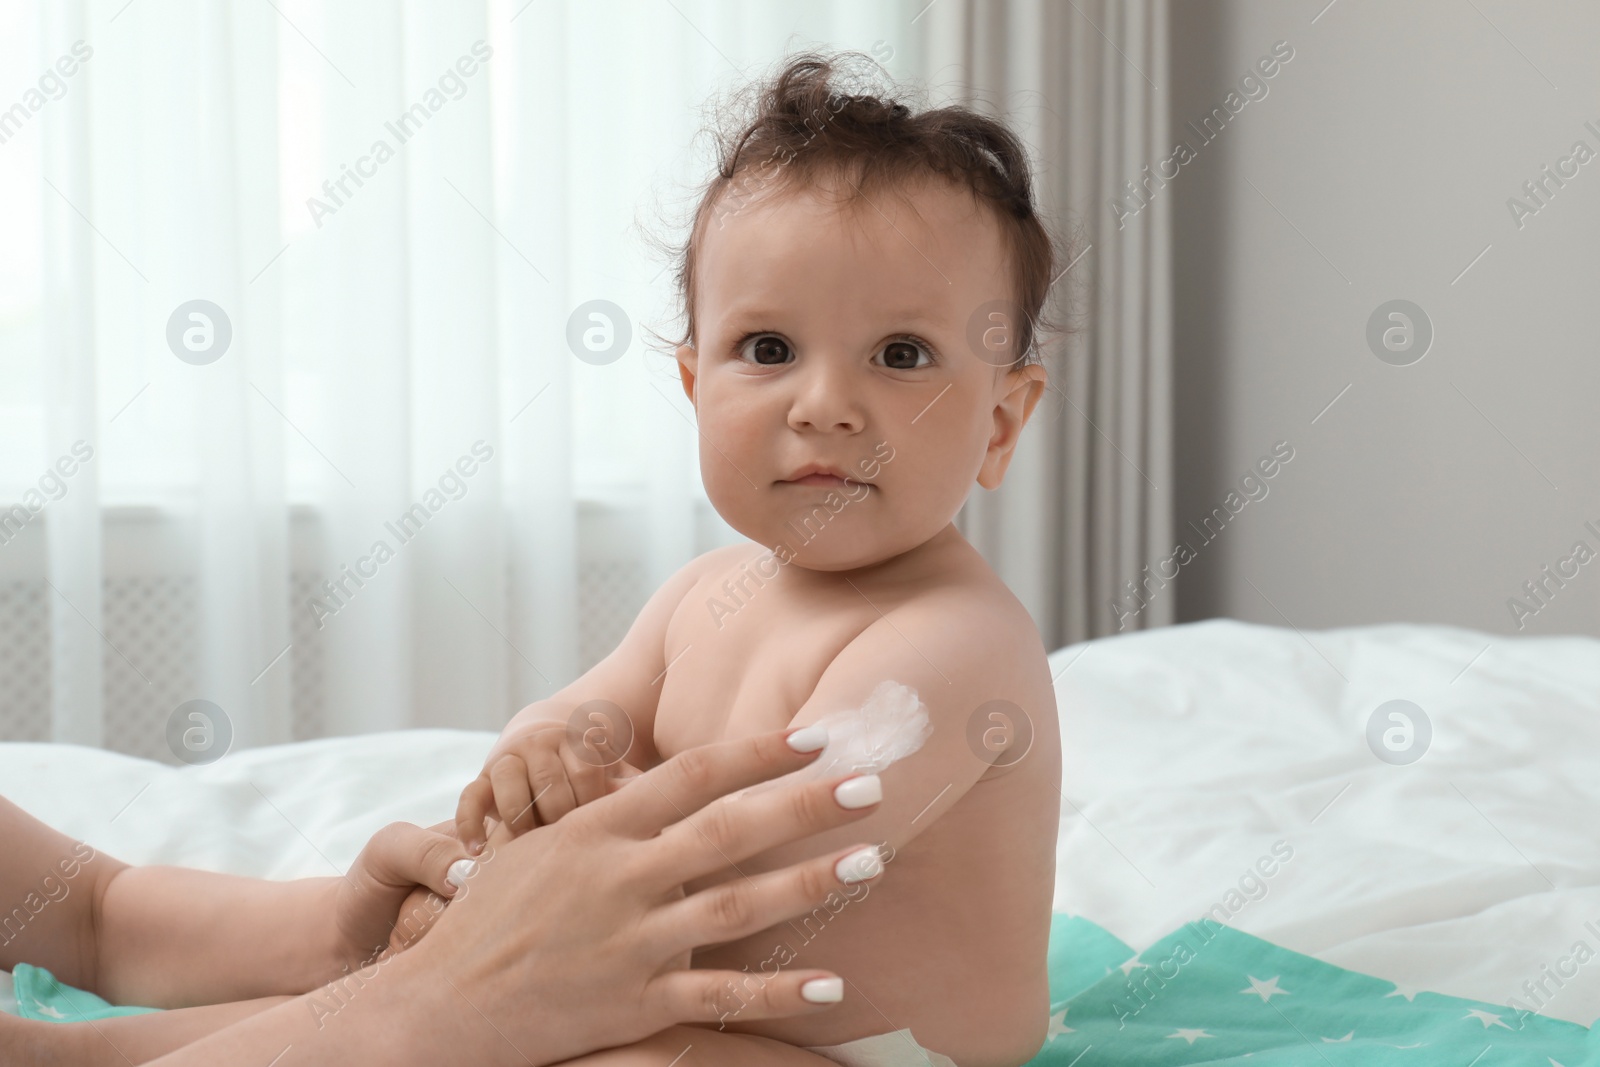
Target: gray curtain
{"x":1087,"y":505}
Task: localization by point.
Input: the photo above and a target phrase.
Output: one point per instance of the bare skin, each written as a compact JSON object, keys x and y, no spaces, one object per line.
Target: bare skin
{"x":171,"y":937}
{"x":838,"y":338}
{"x":604,"y":961}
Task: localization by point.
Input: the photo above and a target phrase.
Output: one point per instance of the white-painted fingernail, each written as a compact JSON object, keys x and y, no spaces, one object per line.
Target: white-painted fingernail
{"x":809,"y":739}
{"x":460,"y":871}
{"x":859,"y":792}
{"x":822,"y":990}
{"x":860,"y":865}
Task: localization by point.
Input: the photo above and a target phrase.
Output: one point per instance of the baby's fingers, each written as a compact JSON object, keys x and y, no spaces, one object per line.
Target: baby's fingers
{"x":552,"y":792}
{"x":619,"y":775}
{"x":586,"y":772}
{"x":475,"y":805}
{"x":513,"y":796}
{"x":401,"y":856}
{"x":417,"y":915}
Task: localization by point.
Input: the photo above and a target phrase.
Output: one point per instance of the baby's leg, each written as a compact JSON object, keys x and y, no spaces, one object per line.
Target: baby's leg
{"x":141,"y":1038}
{"x":691,"y":1046}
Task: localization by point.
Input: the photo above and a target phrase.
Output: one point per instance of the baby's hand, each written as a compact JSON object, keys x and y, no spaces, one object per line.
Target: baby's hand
{"x":539,"y":775}
{"x":399,"y":864}
{"x":423,"y":907}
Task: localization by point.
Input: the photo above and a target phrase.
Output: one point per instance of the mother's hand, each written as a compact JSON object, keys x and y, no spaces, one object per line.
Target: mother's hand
{"x":574,"y":936}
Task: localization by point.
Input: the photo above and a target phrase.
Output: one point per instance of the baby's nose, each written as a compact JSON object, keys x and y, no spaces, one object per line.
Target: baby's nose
{"x":826,"y":403}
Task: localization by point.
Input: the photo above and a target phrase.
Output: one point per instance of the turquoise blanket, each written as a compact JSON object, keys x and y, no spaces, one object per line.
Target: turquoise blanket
{"x":1208,"y":994}
{"x":1205,"y":994}
{"x":40,"y":995}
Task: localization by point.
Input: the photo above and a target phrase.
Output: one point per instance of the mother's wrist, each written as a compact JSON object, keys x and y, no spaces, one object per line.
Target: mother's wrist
{"x":33,"y":1042}
{"x":420,"y":1014}
{"x":329,"y":952}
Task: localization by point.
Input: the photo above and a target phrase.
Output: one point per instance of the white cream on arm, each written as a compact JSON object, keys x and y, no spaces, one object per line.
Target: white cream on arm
{"x":891,"y":725}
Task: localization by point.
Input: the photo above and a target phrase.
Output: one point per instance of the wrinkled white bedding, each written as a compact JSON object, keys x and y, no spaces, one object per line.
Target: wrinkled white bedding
{"x":1190,"y":751}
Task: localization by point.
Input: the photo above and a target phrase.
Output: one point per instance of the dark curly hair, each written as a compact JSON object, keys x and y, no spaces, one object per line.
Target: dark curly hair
{"x":803,"y":129}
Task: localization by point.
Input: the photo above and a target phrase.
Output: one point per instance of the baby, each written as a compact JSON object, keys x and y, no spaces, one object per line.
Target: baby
{"x":861,"y":287}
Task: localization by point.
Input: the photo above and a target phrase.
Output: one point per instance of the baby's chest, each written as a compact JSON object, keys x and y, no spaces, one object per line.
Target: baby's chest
{"x":732,"y":675}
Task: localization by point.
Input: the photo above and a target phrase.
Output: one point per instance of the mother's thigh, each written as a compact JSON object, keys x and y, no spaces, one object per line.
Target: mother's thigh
{"x":690,"y":1046}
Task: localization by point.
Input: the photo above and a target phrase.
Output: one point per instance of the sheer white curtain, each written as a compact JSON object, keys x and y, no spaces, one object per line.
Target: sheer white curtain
{"x":398,"y":496}
{"x":396,"y":206}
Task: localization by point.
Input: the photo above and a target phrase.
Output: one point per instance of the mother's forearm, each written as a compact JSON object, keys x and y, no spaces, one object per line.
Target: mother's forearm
{"x":142,"y":1038}
{"x":390,"y":1013}
{"x":168,"y":937}
{"x":25,"y":1043}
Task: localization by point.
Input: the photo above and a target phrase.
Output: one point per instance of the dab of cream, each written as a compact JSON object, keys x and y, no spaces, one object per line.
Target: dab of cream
{"x":891,"y":725}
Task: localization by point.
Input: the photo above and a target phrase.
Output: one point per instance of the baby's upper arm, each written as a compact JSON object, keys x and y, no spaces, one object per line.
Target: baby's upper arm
{"x":956,"y":667}
{"x":630,"y":677}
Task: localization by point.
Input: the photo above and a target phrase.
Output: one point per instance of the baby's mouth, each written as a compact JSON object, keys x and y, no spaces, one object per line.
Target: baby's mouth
{"x":823,"y":477}
{"x":830,"y":481}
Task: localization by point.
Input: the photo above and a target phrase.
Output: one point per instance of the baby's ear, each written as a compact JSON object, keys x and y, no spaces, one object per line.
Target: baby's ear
{"x":1021,"y":390}
{"x":687,"y":365}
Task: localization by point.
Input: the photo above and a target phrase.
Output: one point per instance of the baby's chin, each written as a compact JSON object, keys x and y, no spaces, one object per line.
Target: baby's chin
{"x":834,"y":562}
{"x":835,"y":549}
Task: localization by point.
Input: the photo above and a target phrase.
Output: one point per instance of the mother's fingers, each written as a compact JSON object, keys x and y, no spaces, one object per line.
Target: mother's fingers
{"x":401,"y":856}
{"x":722,"y":996}
{"x":742,"y":905}
{"x":741,"y":826}
{"x":690,"y":780}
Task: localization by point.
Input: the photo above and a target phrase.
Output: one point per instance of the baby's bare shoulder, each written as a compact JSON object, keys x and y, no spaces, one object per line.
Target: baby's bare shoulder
{"x":973,"y":605}
{"x":709,"y":568}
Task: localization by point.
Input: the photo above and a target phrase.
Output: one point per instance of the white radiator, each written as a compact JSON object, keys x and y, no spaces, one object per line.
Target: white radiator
{"x":149,"y":615}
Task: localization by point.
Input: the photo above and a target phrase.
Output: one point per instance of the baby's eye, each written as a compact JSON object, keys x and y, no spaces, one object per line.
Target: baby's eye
{"x":766,"y":349}
{"x":905,"y":355}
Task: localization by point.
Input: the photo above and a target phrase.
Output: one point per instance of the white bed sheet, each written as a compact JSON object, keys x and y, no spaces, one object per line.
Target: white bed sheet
{"x":1189,"y":752}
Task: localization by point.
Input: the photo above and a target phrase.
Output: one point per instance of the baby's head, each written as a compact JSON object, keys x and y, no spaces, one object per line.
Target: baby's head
{"x":862,"y":288}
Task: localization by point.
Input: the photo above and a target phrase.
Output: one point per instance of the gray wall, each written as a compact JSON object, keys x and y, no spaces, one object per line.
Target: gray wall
{"x":1388,"y":148}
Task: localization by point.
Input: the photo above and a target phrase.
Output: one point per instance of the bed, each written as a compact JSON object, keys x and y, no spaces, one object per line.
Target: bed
{"x":1196,"y":759}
